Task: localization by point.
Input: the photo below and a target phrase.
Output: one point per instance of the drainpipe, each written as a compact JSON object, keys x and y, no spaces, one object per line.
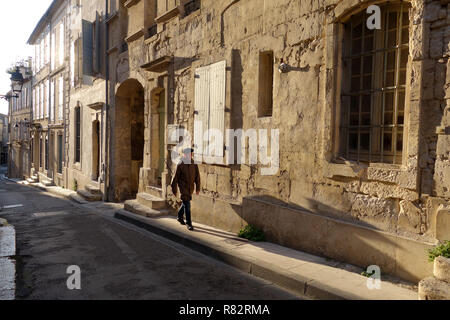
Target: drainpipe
{"x":105,"y":164}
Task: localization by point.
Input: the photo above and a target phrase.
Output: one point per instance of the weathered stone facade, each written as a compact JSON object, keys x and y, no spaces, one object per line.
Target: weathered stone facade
{"x":50,"y":95}
{"x":396,"y":201}
{"x":320,"y":201}
{"x":19,"y":153}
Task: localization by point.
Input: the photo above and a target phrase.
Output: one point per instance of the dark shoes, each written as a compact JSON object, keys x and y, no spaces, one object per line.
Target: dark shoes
{"x":181,"y":221}
{"x":190,"y":228}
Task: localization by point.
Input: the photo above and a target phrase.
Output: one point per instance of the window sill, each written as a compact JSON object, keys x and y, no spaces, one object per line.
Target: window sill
{"x":389,"y":173}
{"x":168,"y":15}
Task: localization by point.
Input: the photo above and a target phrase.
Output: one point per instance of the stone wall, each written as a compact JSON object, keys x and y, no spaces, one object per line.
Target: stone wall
{"x":402,"y":200}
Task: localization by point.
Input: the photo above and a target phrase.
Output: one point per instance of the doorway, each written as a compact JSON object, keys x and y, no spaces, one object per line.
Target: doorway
{"x":129,"y":139}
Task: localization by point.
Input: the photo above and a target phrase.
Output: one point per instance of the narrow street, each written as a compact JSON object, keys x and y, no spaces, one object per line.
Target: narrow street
{"x":117,"y":260}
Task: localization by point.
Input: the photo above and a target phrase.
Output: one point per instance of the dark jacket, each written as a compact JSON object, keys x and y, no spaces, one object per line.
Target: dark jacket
{"x":185,"y":177}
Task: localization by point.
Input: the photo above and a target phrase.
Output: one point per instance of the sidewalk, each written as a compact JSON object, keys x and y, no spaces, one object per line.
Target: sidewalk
{"x":7,"y":264}
{"x":299,"y":272}
{"x":304,"y":274}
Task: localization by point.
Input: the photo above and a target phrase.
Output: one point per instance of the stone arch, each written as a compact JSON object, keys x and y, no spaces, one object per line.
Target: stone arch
{"x":128,"y":154}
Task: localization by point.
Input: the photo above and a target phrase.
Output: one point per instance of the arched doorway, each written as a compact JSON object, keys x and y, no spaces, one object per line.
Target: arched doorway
{"x":129,"y":139}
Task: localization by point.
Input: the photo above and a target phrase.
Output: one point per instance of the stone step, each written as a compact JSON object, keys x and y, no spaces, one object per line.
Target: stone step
{"x":135,"y":207}
{"x":48,"y":183}
{"x":89,"y":196}
{"x":434,"y":289}
{"x":154,"y":191}
{"x":75,"y":197}
{"x":93,"y":189}
{"x":151,"y":201}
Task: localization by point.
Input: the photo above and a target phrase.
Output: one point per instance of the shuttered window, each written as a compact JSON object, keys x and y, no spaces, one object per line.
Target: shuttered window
{"x":87,"y":58}
{"x":210,"y":86}
{"x":60,"y":98}
{"x":61,"y":44}
{"x":52,"y":100}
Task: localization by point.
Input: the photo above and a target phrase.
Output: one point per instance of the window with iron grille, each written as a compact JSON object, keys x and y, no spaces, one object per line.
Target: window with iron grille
{"x":77,"y":134}
{"x":60,"y":153}
{"x":373,"y":87}
{"x":191,"y":6}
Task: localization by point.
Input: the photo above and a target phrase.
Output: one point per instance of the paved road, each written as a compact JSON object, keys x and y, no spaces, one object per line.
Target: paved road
{"x":117,"y":260}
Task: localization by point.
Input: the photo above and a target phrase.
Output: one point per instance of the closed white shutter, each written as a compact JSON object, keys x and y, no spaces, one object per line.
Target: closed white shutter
{"x":61,"y":43}
{"x":217,"y":107}
{"x":52,"y":100}
{"x":201,"y":116}
{"x":72,"y":64}
{"x":47,"y":98}
{"x":61,"y":98}
{"x":53,"y":58}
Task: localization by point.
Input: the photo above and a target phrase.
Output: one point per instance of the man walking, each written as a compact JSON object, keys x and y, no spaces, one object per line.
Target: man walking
{"x":187,"y":174}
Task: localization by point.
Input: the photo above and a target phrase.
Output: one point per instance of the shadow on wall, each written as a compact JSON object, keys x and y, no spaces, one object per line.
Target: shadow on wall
{"x":358,"y":244}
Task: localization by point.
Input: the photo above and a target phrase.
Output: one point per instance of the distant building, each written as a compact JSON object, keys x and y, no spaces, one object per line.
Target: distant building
{"x":4,"y":139}
{"x":19,"y":158}
{"x":50,"y":94}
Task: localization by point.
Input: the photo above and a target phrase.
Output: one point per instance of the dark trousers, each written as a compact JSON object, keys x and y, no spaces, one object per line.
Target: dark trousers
{"x":185,"y":209}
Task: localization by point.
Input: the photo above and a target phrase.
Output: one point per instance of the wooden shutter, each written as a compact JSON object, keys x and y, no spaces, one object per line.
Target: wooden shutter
{"x":87,"y":48}
{"x":97,"y":45}
{"x":202,"y":90}
{"x":52,"y":100}
{"x":217,"y":101}
{"x":61,"y":43}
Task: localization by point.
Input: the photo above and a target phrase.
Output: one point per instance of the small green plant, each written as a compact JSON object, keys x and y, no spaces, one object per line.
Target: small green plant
{"x":252,"y":233}
{"x":75,"y":185}
{"x":443,"y":249}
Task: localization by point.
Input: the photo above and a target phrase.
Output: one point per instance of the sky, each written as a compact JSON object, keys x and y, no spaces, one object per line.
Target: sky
{"x":18,"y":19}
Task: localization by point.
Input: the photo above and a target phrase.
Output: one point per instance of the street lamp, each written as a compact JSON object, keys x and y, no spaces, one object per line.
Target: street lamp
{"x":16,"y":85}
{"x":17,"y":81}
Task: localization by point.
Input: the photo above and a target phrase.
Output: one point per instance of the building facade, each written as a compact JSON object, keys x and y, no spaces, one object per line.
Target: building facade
{"x":4,"y":139}
{"x":20,"y":113}
{"x":346,"y":127}
{"x":50,"y":95}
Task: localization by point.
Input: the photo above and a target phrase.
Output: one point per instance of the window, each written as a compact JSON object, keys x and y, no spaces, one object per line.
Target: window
{"x":61,"y":98}
{"x":191,"y":6}
{"x":265,"y":84}
{"x":47,"y":47}
{"x":76,"y":62}
{"x":41,"y":101}
{"x":40,"y":152}
{"x":46,"y":153}
{"x":77,"y":134}
{"x":52,"y":100}
{"x":53,"y":50}
{"x":373,"y":98}
{"x":210,"y":84}
{"x":60,"y":153}
{"x":61,"y":45}
{"x":47,"y":98}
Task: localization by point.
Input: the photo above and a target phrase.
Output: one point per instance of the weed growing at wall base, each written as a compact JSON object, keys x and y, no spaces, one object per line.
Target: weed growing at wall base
{"x":442,"y":249}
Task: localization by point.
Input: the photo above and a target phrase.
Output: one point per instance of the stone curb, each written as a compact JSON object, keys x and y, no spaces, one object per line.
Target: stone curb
{"x":294,"y":282}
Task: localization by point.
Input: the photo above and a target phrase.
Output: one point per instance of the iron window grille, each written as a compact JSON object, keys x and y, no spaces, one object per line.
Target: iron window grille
{"x":373,"y":98}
